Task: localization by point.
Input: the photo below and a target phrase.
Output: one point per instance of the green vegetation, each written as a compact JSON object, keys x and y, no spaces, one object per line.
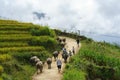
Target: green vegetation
{"x":71,"y":35}
{"x":73,"y":74}
{"x":13,"y":32}
{"x":43,"y":31}
{"x":13,"y":44}
{"x":45,"y":41}
{"x":20,"y":41}
{"x":98,"y":60}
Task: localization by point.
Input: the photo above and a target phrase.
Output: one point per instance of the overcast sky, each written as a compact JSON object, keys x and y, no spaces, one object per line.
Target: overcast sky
{"x":86,"y":15}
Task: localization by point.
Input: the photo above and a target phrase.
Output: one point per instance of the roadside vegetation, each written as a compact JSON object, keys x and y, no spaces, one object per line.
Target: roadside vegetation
{"x":95,"y":60}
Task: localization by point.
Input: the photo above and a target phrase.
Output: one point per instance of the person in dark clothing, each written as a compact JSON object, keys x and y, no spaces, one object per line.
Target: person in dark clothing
{"x":73,"y":50}
{"x":70,"y":53}
{"x":59,"y":64}
{"x":78,"y":41}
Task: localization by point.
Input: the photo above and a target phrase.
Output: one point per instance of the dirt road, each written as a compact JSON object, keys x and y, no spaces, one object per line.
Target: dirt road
{"x":52,"y":74}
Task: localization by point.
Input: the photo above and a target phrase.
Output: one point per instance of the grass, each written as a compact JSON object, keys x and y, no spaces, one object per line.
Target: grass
{"x":96,"y":60}
{"x":22,"y":38}
{"x":5,"y":32}
{"x":14,"y":35}
{"x":21,"y":49}
{"x":13,"y":44}
{"x":74,"y":74}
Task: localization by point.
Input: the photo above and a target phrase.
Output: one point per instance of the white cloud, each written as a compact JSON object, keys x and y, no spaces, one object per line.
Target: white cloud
{"x":87,"y":15}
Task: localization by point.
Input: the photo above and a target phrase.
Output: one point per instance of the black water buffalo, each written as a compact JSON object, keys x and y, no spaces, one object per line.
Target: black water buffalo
{"x":55,"y":54}
{"x":49,"y":61}
{"x":65,"y":56}
{"x":33,"y":60}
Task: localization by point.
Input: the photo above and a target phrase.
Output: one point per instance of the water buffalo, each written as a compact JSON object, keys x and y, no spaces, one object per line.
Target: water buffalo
{"x":55,"y":54}
{"x":65,"y":56}
{"x":37,"y":60}
{"x":32,"y":60}
{"x":39,"y":66}
{"x":49,"y":61}
{"x":64,"y":40}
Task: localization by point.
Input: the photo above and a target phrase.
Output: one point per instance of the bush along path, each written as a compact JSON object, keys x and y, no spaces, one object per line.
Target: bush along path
{"x":52,"y":74}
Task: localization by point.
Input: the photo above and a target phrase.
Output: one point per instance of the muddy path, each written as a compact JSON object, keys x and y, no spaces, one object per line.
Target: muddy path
{"x":52,"y":74}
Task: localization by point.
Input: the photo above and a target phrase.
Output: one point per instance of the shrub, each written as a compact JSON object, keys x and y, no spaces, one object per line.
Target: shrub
{"x":74,"y":75}
{"x":42,"y":31}
{"x":6,"y":77}
{"x":5,"y":57}
{"x":97,"y":60}
{"x":45,"y":41}
{"x":11,"y":66}
{"x":25,"y":56}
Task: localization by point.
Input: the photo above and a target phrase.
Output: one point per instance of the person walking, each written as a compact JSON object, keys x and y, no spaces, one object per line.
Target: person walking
{"x":73,"y":50}
{"x":59,"y":65}
{"x":78,"y":41}
{"x":70,"y":53}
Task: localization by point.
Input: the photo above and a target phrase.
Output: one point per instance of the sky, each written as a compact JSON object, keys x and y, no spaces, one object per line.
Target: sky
{"x":97,"y":16}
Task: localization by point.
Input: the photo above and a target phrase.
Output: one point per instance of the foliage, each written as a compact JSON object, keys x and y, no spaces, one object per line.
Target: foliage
{"x":13,"y":44}
{"x":25,"y":56}
{"x":17,"y":71}
{"x":74,"y":74}
{"x":22,"y":38}
{"x":71,"y":35}
{"x":11,"y":66}
{"x":5,"y":57}
{"x":42,"y":31}
{"x":1,"y":69}
{"x":1,"y":78}
{"x":45,"y":41}
{"x":14,"y":35}
{"x":13,"y":32}
{"x":21,"y":49}
{"x":15,"y":52}
{"x":97,"y":60}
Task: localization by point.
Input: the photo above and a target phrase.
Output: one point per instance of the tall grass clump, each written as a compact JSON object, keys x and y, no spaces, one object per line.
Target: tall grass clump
{"x":41,"y":31}
{"x":73,"y":74}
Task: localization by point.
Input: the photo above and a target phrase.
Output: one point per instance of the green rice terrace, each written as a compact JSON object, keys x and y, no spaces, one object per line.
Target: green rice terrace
{"x":19,"y":41}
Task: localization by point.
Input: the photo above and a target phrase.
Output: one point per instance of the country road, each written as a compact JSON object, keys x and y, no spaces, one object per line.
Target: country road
{"x":52,"y":74}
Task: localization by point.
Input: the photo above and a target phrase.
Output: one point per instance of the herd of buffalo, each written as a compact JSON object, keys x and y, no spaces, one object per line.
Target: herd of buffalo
{"x":64,"y":53}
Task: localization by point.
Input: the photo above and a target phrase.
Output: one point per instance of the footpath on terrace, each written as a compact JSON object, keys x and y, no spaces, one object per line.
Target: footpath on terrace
{"x":52,"y":74}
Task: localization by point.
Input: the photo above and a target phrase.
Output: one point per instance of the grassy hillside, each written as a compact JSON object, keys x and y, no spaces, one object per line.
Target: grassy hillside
{"x":95,"y":60}
{"x":18,"y":42}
